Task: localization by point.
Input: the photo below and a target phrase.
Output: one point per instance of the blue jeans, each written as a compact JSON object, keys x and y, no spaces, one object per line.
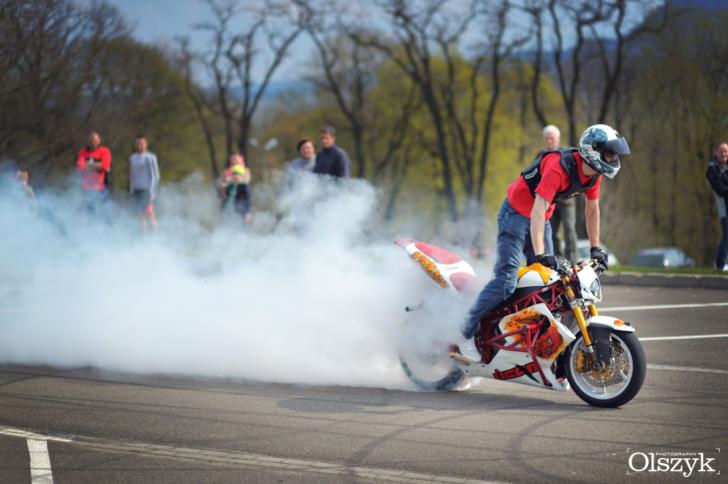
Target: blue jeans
{"x":723,"y":247}
{"x":514,"y":241}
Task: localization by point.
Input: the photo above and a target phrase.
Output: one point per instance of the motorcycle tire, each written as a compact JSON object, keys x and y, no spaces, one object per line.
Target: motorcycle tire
{"x":451,"y":379}
{"x":624,"y":375}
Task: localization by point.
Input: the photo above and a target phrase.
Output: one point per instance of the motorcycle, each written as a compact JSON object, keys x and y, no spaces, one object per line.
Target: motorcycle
{"x":547,"y":334}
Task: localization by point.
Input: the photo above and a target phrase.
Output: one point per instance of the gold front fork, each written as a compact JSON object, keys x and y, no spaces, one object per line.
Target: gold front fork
{"x":579,"y":314}
{"x":583,"y":327}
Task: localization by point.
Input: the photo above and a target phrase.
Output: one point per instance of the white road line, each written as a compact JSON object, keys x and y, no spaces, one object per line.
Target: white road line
{"x":40,"y":462}
{"x":23,"y":434}
{"x":246,"y":460}
{"x":665,"y":306}
{"x":693,"y":336}
{"x":687,"y":368}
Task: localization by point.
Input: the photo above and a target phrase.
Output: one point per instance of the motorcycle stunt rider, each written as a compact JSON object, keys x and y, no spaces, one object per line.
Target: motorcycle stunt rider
{"x":523,"y":220}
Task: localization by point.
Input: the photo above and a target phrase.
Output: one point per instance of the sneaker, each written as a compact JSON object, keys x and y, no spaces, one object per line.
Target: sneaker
{"x":470,"y":351}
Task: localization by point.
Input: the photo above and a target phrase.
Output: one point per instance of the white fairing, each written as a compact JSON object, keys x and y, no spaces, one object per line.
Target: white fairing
{"x":506,"y":365}
{"x":611,"y":323}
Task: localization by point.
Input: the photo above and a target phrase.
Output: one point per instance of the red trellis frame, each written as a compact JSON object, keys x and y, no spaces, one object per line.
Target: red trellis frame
{"x":551,"y":296}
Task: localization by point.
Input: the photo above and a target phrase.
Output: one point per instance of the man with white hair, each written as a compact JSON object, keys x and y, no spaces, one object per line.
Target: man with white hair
{"x":551,"y":137}
{"x":565,"y":213}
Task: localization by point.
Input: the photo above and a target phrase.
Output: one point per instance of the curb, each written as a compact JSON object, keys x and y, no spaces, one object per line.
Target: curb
{"x":664,"y":280}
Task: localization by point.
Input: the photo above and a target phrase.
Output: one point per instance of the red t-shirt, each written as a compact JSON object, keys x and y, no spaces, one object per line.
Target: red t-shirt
{"x":92,"y":179}
{"x":553,"y":180}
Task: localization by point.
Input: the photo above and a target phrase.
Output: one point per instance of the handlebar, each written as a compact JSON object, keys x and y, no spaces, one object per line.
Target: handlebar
{"x":566,"y":268}
{"x":598,"y":267}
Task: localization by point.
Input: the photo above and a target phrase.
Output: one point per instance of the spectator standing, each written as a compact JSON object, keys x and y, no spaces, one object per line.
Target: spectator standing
{"x":24,"y":179}
{"x":144,"y":182}
{"x":331,"y":160}
{"x":564,"y":216}
{"x":94,"y":167}
{"x":234,"y":188}
{"x":717,"y":174}
{"x":306,"y":161}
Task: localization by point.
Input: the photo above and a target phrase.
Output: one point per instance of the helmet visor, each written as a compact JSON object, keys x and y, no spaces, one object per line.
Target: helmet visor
{"x":617,"y":146}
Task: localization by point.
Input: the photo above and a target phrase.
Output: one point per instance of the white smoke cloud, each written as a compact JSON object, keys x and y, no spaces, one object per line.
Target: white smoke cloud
{"x":307,"y":296}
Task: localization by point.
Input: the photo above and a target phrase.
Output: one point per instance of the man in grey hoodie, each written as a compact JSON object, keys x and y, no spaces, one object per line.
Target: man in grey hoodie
{"x":144,"y":182}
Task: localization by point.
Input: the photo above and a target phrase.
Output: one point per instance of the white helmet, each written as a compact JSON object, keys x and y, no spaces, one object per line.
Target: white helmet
{"x":598,"y":139}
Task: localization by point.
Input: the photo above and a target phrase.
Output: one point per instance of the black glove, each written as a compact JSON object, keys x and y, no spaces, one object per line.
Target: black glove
{"x":548,"y":261}
{"x":600,"y":256}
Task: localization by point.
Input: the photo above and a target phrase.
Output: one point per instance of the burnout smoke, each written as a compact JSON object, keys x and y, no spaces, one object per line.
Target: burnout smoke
{"x":313,"y":298}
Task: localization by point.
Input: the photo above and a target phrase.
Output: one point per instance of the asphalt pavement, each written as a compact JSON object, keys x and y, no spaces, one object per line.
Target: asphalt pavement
{"x":88,"y":425}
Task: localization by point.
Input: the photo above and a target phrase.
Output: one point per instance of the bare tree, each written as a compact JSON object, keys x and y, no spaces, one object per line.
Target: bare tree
{"x":234,"y":59}
{"x":52,"y":75}
{"x":428,"y":35}
{"x":581,"y":19}
{"x":350,"y":74}
{"x":472,"y":134}
{"x":600,"y":55}
{"x":585,"y":21}
{"x":612,"y":72}
{"x":535,"y":9}
{"x":203,"y":110}
{"x":411,"y":51}
{"x":499,"y":51}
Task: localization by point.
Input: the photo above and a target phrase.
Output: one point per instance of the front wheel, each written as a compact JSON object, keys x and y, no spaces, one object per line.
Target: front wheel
{"x":615,"y":384}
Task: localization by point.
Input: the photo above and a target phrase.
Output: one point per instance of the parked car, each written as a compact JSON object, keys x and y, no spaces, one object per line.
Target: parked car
{"x":583,"y":248}
{"x":661,"y":257}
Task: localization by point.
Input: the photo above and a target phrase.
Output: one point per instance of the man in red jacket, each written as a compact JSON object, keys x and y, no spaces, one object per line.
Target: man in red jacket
{"x":94,"y":167}
{"x":523,"y":221}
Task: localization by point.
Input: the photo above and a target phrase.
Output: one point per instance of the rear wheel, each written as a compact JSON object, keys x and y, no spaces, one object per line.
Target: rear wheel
{"x":425,"y":360}
{"x":431,"y":373}
{"x":618,"y":382}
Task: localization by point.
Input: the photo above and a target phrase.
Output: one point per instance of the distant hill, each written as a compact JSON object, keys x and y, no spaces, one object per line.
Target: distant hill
{"x":276,"y":88}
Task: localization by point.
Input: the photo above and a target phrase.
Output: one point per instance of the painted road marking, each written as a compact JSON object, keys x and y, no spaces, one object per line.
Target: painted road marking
{"x":40,"y":462}
{"x":12,"y":432}
{"x":246,"y":460}
{"x":687,"y":368}
{"x":694,"y":336}
{"x":665,"y":306}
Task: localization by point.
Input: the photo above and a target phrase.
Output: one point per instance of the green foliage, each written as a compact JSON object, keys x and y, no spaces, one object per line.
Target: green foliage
{"x":148,"y":98}
{"x":675,"y":107}
{"x":67,"y":69}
